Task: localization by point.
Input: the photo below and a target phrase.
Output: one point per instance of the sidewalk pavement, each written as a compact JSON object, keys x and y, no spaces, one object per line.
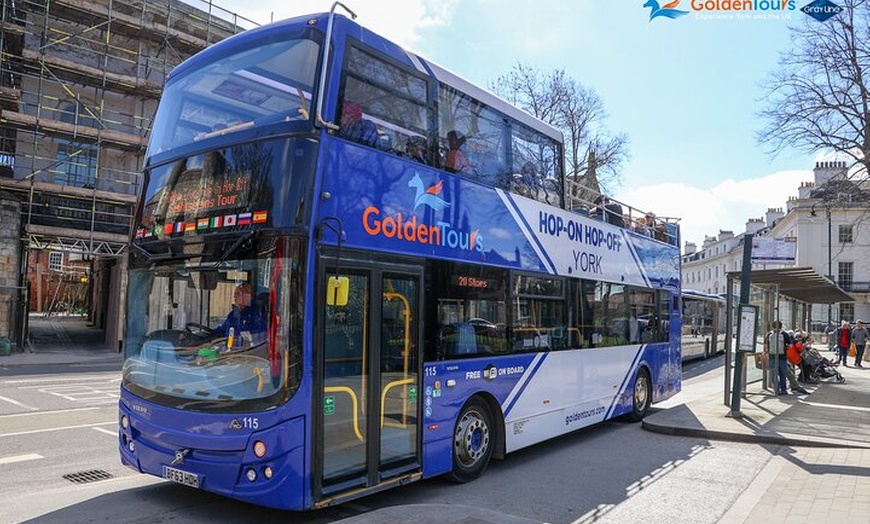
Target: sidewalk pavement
{"x":824,"y":439}
{"x":61,"y":339}
{"x":819,"y":472}
{"x":832,"y":415}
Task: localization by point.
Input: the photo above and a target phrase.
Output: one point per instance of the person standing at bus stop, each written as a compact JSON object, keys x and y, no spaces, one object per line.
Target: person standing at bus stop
{"x":774,"y":346}
{"x":843,"y":338}
{"x":859,"y":337}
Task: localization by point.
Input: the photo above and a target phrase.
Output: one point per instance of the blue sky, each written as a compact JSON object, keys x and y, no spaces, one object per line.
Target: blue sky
{"x":685,"y":91}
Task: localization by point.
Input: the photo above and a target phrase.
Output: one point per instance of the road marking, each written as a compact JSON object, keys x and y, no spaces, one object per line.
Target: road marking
{"x":52,"y":412}
{"x":19,"y":404}
{"x":106,"y":431}
{"x":835,"y":406}
{"x":46,"y":430}
{"x":20,"y":458}
{"x":112,"y":378}
{"x":83,"y":393}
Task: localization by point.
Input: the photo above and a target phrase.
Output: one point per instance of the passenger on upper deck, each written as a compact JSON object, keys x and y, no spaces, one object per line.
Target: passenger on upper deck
{"x":527,"y":182}
{"x":415,"y":149}
{"x":456,"y":161}
{"x":355,"y":127}
{"x":644,"y":225}
{"x":608,"y":210}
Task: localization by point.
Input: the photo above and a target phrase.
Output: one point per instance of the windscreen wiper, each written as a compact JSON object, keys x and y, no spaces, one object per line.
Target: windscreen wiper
{"x":234,"y":247}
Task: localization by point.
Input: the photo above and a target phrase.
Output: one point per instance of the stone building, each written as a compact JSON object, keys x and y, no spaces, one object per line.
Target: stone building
{"x":828,"y":218}
{"x":79,"y":86}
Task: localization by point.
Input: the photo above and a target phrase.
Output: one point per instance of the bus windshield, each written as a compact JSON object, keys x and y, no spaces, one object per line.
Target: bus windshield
{"x":256,"y":86}
{"x":216,"y":337}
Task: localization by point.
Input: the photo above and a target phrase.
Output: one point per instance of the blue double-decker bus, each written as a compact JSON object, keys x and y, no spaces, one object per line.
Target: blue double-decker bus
{"x":353,"y":269}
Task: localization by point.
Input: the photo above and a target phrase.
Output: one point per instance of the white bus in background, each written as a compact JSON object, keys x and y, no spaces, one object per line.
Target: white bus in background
{"x":703,"y":326}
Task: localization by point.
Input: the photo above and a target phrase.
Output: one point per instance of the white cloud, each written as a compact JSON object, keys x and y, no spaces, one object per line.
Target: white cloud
{"x":726,"y":206}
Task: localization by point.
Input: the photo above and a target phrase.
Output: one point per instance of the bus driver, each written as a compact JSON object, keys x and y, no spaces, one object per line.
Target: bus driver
{"x":244,"y":316}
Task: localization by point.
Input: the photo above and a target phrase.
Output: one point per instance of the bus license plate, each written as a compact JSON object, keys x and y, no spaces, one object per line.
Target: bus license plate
{"x":182,"y":477}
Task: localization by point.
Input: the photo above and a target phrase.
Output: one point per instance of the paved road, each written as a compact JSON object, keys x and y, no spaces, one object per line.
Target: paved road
{"x":64,"y":424}
{"x":615,"y":472}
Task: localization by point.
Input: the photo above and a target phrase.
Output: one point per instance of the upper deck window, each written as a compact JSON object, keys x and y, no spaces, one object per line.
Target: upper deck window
{"x":384,"y":106}
{"x":255,"y":86}
{"x":387,"y":106}
{"x":535,"y":169}
{"x":474,"y":139}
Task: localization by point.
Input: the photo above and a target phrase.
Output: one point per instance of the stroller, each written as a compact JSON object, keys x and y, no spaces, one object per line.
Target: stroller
{"x":818,"y":367}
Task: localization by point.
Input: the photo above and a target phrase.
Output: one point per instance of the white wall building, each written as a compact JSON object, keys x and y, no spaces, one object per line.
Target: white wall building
{"x":830,"y":218}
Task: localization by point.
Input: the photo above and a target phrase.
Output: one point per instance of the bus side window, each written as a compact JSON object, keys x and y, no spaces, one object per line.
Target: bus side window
{"x":472,"y":137}
{"x":401,"y":110}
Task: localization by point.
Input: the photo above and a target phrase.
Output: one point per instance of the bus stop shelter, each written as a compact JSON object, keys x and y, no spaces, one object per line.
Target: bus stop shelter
{"x":799,"y":284}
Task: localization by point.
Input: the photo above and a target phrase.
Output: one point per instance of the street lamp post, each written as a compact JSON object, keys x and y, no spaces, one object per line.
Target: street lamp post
{"x":830,"y":274}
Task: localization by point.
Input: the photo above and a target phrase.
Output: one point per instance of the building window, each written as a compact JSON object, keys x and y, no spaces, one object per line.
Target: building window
{"x":55,"y":261}
{"x":77,"y":164}
{"x":845,"y":234}
{"x":847,"y":312}
{"x":77,"y":161}
{"x":845,"y":274}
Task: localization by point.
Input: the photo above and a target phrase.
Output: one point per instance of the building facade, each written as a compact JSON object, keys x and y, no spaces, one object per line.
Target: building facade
{"x":79,"y":85}
{"x":828,"y":218}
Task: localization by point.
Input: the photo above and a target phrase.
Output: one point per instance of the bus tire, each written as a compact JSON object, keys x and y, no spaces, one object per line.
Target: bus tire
{"x":641,"y":396}
{"x":473,"y":441}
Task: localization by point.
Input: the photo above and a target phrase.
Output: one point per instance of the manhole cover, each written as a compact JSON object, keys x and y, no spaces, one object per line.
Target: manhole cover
{"x":83,"y":477}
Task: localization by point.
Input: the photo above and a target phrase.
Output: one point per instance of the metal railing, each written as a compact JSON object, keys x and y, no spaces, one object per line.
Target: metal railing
{"x":586,"y":201}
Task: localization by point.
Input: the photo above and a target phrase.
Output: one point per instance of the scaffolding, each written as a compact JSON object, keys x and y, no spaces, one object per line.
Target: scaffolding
{"x":79,"y":86}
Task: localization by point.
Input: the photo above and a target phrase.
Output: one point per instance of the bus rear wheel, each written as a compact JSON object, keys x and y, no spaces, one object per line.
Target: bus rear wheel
{"x":641,"y":396}
{"x":472,"y":441}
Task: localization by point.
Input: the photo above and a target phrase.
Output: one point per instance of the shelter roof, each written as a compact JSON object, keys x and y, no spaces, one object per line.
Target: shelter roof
{"x":799,"y":283}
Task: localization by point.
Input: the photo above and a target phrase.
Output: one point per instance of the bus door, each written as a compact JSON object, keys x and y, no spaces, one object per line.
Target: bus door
{"x":369,"y":402}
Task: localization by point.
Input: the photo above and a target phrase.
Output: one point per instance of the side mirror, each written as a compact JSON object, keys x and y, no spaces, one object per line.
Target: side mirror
{"x":337,"y":290}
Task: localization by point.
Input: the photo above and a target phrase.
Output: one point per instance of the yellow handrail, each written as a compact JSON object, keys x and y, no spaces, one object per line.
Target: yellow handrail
{"x":353,"y":401}
{"x":403,"y":382}
{"x":406,"y":352}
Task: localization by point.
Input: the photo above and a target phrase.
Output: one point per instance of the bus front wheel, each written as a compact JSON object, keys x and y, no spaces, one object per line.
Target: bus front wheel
{"x":473,"y":441}
{"x":641,"y":396}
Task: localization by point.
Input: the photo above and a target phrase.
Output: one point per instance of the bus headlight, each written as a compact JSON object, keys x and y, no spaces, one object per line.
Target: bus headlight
{"x":267,"y":472}
{"x":124,"y":422}
{"x":251,"y":474}
{"x":259,"y":449}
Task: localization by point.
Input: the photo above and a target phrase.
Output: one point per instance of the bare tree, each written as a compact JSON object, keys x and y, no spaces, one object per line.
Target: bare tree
{"x":574,"y":109}
{"x":818,"y":98}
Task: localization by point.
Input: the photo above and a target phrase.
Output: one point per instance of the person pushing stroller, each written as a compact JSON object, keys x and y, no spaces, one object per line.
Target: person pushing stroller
{"x":815,"y":367}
